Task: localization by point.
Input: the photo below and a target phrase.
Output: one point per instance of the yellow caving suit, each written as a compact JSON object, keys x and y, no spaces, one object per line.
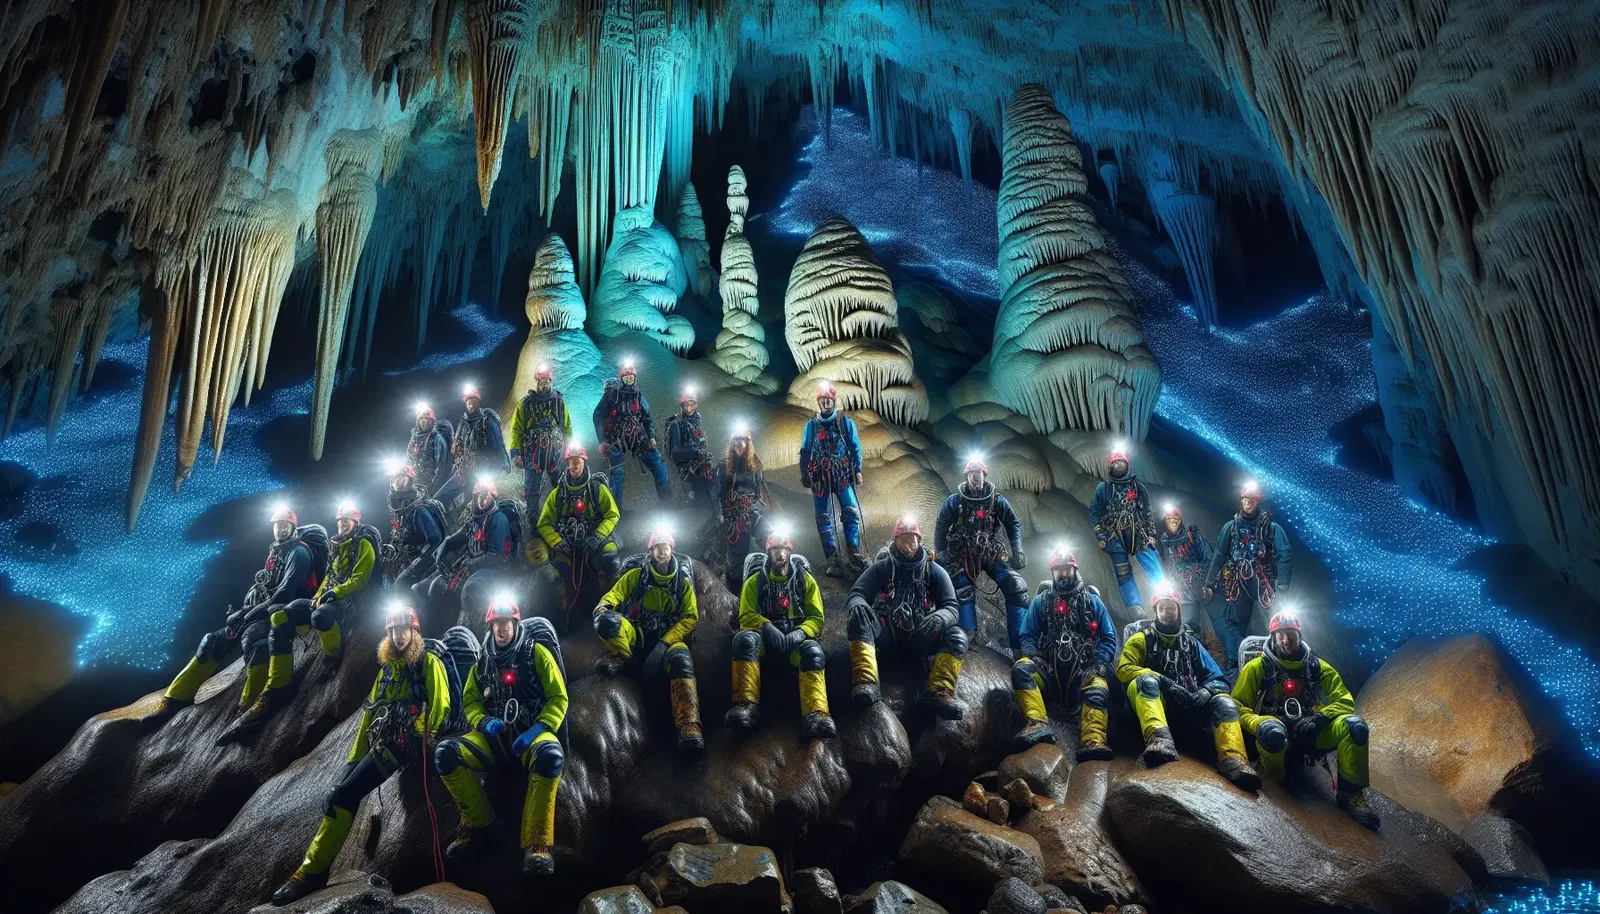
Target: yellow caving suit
{"x":775,"y":612}
{"x":1267,"y":691}
{"x":1148,"y":655}
{"x":650,"y":618}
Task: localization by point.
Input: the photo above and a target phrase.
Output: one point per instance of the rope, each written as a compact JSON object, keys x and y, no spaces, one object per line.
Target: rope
{"x":433,"y":818}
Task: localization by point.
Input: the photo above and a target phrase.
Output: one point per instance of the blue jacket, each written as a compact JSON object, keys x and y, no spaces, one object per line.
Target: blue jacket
{"x":832,"y":447}
{"x":1032,"y":624}
{"x":686,"y":440}
{"x":1237,"y":542}
{"x":430,"y":457}
{"x":1114,"y":494}
{"x":1186,"y":556}
{"x":620,"y":403}
{"x":998,"y":514}
{"x":496,"y":445}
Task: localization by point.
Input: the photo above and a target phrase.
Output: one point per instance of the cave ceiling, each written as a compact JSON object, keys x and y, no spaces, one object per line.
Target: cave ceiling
{"x":203,"y":165}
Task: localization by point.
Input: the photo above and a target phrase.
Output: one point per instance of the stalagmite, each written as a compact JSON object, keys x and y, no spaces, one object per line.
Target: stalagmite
{"x":556,"y":312}
{"x":641,"y":282}
{"x":961,"y":126}
{"x":1190,"y":220}
{"x":741,"y":347}
{"x":492,"y":43}
{"x":690,"y":229}
{"x":1068,"y":351}
{"x":841,"y":323}
{"x":1111,"y":175}
{"x":344,"y":217}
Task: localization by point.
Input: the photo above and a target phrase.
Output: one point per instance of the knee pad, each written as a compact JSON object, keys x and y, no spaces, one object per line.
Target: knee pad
{"x":1022,"y":675}
{"x":609,"y":625}
{"x":679,"y":664}
{"x":824,"y":520}
{"x":1149,"y":686}
{"x":747,"y":645}
{"x":851,"y":515}
{"x":1013,"y":591}
{"x":1124,"y":571}
{"x":548,"y":758}
{"x":954,"y":640}
{"x":812,"y":658}
{"x":1223,"y":710}
{"x":1095,"y":696}
{"x":446,"y":757}
{"x":1357,"y":728}
{"x":1272,"y":735}
{"x":325,"y":617}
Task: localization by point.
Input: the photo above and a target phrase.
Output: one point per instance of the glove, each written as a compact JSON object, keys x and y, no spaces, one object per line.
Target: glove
{"x":1306,"y":730}
{"x":805,"y":480}
{"x":858,"y":479}
{"x":591,"y":543}
{"x":1018,"y":561}
{"x":931,"y":626}
{"x":236,"y":620}
{"x":774,"y":639}
{"x":1199,"y":697}
{"x":793,"y":640}
{"x":493,"y":726}
{"x":526,"y":739}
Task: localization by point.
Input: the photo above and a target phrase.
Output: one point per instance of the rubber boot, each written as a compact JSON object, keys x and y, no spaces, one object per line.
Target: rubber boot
{"x":249,"y":723}
{"x":864,"y":674}
{"x":858,"y":560}
{"x":313,"y":871}
{"x":1353,"y":800}
{"x":298,"y":887}
{"x":814,"y":705}
{"x":1037,"y":729}
{"x":188,"y":682}
{"x":746,"y":711}
{"x":1231,"y":761}
{"x":1092,"y":735}
{"x":539,"y":825}
{"x":1239,"y":773}
{"x":1159,"y":748}
{"x":255,"y":679}
{"x":166,"y":708}
{"x":835,"y":565}
{"x":686,"y":715}
{"x":939,"y":693}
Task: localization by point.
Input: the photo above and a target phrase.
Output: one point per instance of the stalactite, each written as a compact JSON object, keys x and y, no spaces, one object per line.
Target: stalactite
{"x":1190,"y":220}
{"x":95,"y":41}
{"x":492,"y":50}
{"x":961,"y":127}
{"x":165,"y":294}
{"x":1068,"y":352}
{"x":553,"y":144}
{"x":1111,"y":176}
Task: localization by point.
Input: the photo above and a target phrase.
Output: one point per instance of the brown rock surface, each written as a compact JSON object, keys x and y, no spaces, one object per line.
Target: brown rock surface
{"x":1079,"y":855}
{"x":621,"y":899}
{"x":948,"y":845}
{"x":718,"y":879}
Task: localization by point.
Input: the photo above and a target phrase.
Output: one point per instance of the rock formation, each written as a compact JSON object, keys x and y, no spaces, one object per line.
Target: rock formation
{"x":841,"y":323}
{"x":641,"y":283}
{"x":1068,"y":351}
{"x":690,"y":229}
{"x":1190,"y":219}
{"x":741,"y":347}
{"x":556,"y":312}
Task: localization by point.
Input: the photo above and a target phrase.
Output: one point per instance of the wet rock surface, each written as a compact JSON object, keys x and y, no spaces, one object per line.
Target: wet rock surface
{"x":622,"y":899}
{"x":951,"y":848}
{"x":815,"y":892}
{"x":360,"y":893}
{"x":717,"y":879}
{"x":891,"y":898}
{"x":1078,"y":851}
{"x":1507,"y":851}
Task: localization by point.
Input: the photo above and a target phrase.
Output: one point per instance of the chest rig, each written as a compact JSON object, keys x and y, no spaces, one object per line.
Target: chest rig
{"x":1127,"y":514}
{"x":624,"y":418}
{"x":420,"y":452}
{"x":975,"y":535}
{"x":511,"y":689}
{"x":905,"y":601}
{"x":1068,"y":631}
{"x":782,"y":602}
{"x":1175,"y":658}
{"x":472,"y":438}
{"x":1289,"y":694}
{"x":542,"y":438}
{"x":401,"y":699}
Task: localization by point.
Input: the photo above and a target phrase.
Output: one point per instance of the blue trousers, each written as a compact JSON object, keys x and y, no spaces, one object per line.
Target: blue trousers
{"x":1230,"y":619}
{"x":1148,"y":560}
{"x":1012,"y":588}
{"x":849,"y":515}
{"x":534,"y":487}
{"x":652,"y":462}
{"x":449,"y":491}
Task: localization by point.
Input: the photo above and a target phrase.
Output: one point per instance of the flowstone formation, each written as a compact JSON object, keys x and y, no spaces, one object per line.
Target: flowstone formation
{"x":641,"y":283}
{"x":556,"y":312}
{"x":1068,"y":351}
{"x":842,"y":324}
{"x":741,"y":347}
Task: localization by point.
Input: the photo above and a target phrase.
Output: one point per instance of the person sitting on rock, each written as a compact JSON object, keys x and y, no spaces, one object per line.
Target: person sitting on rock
{"x":296,"y":563}
{"x":1168,"y":674}
{"x":416,"y":528}
{"x":1120,"y":512}
{"x":1251,"y":565}
{"x":575,"y":524}
{"x":780,"y":615}
{"x":830,"y":466}
{"x":406,"y":709}
{"x":623,"y":425}
{"x":428,"y":453}
{"x":478,"y":446}
{"x":490,"y":536}
{"x":1185,"y":557}
{"x":1294,"y":702}
{"x":541,"y":426}
{"x":1065,"y":644}
{"x":686,"y":442}
{"x":741,"y":501}
{"x":647,"y":616}
{"x":354,"y":555}
{"x":978,"y":532}
{"x":904,"y":600}
{"x":515,"y":701}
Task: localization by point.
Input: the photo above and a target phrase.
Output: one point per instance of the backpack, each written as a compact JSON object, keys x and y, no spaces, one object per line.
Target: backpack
{"x":458,"y":651}
{"x":1251,"y":647}
{"x":542,"y":632}
{"x":756,"y":561}
{"x":375,"y":540}
{"x":315,"y":538}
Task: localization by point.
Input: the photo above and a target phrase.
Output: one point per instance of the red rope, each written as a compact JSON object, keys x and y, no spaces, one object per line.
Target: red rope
{"x":433,"y":818}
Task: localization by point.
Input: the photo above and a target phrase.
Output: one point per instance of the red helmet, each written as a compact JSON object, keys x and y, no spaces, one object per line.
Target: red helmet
{"x":774,"y":540}
{"x":907,"y":524}
{"x":975,"y":464}
{"x":574,"y":449}
{"x":687,"y":396}
{"x":404,"y":469}
{"x":740,"y":431}
{"x":471,"y":393}
{"x":1166,"y":594}
{"x":485,"y":484}
{"x":1062,"y":557}
{"x":348,"y":511}
{"x":284,"y":513}
{"x":1170,"y":510}
{"x":662,"y":535}
{"x":826,"y":389}
{"x":544,"y":372}
{"x":626,"y":369}
{"x":401,"y":617}
{"x":1119,"y":452}
{"x":502,"y":608}
{"x":1283,"y":620}
{"x":1251,"y":489}
{"x":424,"y":412}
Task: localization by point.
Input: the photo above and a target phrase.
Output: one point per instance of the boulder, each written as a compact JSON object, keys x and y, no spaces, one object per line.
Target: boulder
{"x":1057,"y":900}
{"x":1458,"y":730}
{"x":717,"y":878}
{"x":362,"y":893}
{"x":621,"y":899}
{"x":1013,"y":896}
{"x":815,"y":893}
{"x":684,"y":831}
{"x":1078,"y":853}
{"x":951,"y":847}
{"x":1507,"y":851}
{"x":1272,"y":851}
{"x":1044,"y":767}
{"x":892,"y":898}
{"x":132,"y":788}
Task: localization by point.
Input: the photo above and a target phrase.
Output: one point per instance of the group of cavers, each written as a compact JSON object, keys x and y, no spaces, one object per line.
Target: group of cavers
{"x":465,"y":706}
